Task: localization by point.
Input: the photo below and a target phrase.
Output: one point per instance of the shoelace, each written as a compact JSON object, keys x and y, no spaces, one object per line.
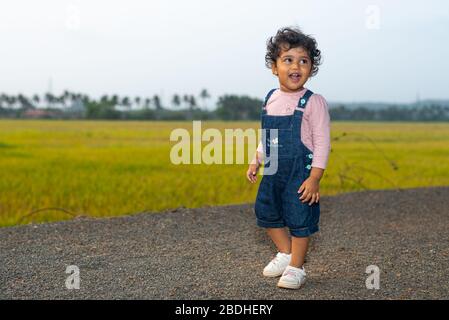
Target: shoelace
{"x":276,"y":260}
{"x":292,"y":272}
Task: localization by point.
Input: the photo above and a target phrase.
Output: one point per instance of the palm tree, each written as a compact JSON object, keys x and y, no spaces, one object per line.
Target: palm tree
{"x":73,"y":96}
{"x":157,"y":102}
{"x":176,"y":100}
{"x":137,"y":101}
{"x":84,"y":98}
{"x":126,"y":102}
{"x":50,"y":99}
{"x":36,"y":100}
{"x":3,"y":97}
{"x":66,"y":97}
{"x":7,"y":100}
{"x":115,"y":99}
{"x":24,"y":102}
{"x":104,"y":99}
{"x":186,"y":99}
{"x":204,"y":95}
{"x":147,"y":103}
{"x":192,"y":102}
{"x":12,"y":101}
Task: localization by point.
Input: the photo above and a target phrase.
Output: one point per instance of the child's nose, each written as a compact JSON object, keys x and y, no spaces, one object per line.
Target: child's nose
{"x":295,"y":65}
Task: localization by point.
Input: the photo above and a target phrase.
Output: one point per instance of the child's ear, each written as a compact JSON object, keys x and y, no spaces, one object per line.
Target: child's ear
{"x":274,"y":69}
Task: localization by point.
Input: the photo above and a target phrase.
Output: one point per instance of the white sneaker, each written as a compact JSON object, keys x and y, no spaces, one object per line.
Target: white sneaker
{"x":277,"y":265}
{"x":292,"y":278}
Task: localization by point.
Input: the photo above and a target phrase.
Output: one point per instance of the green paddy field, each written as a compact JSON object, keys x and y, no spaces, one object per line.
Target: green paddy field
{"x":107,"y":168}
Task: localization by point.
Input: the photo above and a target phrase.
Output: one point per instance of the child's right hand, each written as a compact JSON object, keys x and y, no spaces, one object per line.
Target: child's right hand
{"x":251,"y":174}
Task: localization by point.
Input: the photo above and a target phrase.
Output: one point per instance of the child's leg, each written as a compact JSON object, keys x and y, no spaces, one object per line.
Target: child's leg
{"x":280,"y":238}
{"x":299,"y":251}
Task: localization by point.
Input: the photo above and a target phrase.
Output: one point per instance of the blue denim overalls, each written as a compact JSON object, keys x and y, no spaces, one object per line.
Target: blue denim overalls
{"x":277,"y":203}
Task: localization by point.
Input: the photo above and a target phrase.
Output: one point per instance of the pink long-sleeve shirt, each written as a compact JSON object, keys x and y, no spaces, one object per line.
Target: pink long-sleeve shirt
{"x":315,"y":125}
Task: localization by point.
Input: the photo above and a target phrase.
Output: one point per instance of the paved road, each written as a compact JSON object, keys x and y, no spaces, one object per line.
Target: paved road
{"x":219,"y":253}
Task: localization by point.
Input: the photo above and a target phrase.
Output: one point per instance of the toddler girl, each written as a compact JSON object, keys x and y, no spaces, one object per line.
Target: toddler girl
{"x":296,"y":156}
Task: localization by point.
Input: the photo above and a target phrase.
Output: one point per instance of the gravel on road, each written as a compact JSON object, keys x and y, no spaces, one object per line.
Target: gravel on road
{"x":219,"y":252}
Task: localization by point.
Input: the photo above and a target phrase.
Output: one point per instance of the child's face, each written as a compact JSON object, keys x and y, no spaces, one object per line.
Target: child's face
{"x":293,"y":68}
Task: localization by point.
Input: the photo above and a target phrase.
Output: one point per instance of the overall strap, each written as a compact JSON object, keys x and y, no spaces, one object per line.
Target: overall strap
{"x":264,"y":106}
{"x":303,"y":101}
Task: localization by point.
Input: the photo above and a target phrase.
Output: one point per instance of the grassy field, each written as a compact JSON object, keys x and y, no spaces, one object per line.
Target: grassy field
{"x":106,"y":168}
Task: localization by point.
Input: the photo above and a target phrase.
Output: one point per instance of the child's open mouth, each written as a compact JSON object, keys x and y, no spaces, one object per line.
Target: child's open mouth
{"x":294,"y":77}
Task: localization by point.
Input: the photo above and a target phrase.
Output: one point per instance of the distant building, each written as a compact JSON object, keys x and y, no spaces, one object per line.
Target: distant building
{"x":40,"y":114}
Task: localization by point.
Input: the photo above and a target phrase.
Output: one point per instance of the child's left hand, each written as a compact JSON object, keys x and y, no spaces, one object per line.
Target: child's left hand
{"x":310,"y":188}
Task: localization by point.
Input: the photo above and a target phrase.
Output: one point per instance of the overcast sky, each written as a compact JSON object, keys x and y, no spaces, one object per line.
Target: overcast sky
{"x":372,"y":50}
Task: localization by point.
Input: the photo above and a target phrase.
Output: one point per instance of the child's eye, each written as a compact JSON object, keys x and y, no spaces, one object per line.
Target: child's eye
{"x":303,"y":61}
{"x":288,"y":60}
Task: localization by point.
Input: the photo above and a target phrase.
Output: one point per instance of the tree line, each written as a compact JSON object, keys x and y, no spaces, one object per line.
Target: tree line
{"x":70,"y":105}
{"x":67,"y":98}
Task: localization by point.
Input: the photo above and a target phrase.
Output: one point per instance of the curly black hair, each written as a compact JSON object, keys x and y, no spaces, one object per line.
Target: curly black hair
{"x":287,"y":38}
